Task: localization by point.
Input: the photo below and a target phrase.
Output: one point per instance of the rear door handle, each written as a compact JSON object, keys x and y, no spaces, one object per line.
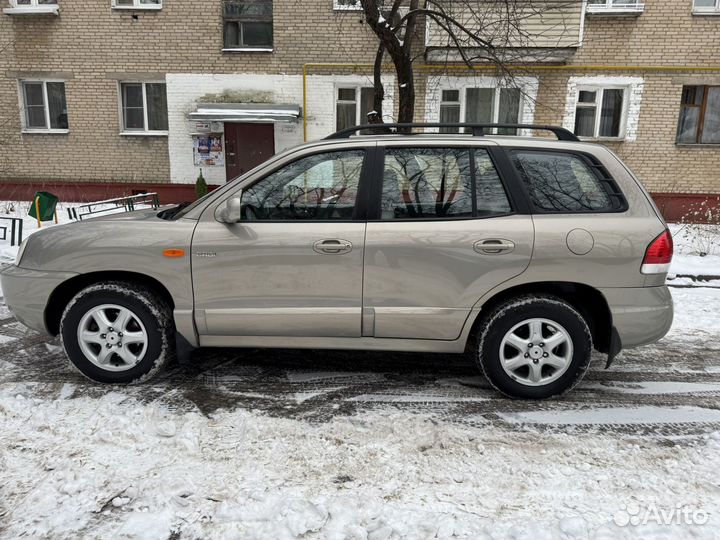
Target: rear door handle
{"x":494,"y":246}
{"x":332,"y":246}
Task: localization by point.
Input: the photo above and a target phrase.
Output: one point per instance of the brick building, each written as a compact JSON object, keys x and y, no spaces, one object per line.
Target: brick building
{"x":106,"y":96}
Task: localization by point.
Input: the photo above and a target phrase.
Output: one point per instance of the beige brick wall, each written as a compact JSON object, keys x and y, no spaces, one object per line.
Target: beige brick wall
{"x":91,"y":45}
{"x":94,"y":46}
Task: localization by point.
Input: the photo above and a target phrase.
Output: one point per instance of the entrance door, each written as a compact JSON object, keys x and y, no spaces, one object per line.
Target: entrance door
{"x":247,"y":145}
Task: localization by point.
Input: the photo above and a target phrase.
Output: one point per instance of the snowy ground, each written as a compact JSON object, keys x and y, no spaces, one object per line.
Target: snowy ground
{"x":290,"y":444}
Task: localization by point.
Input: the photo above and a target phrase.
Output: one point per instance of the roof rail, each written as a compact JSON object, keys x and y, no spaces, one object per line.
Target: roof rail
{"x":478,"y":130}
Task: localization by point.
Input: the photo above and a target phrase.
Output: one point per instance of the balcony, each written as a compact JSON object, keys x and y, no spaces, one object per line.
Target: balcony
{"x":32,"y":7}
{"x":615,"y":7}
{"x":544,"y":31}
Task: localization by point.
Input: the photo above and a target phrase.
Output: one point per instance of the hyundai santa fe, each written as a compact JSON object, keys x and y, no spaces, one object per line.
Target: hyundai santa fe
{"x":526,"y":252}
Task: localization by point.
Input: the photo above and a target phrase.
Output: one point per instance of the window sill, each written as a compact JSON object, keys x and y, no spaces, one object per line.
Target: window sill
{"x":26,"y":131}
{"x":602,"y":139}
{"x":697,"y":145}
{"x":706,"y":13}
{"x":144,"y":133}
{"x":33,"y":10}
{"x":146,"y":7}
{"x":249,"y":49}
{"x":347,"y":8}
{"x":630,"y":9}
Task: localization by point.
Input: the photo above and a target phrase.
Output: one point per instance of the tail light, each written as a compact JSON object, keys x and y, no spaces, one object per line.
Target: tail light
{"x":658,"y":255}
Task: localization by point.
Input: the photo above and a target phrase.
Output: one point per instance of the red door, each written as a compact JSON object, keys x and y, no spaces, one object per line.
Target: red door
{"x":247,"y":145}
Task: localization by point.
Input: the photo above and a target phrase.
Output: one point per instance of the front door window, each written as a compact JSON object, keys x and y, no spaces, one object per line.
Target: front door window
{"x":317,"y":187}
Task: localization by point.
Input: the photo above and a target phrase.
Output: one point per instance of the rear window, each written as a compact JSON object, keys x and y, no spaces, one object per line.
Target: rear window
{"x":565,"y":182}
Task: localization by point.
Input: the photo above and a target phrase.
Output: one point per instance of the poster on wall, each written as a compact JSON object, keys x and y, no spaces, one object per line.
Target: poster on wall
{"x":208,"y":150}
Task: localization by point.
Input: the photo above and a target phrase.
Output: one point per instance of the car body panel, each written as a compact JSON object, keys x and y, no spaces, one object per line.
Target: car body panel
{"x":422,"y":278}
{"x":131,"y":242}
{"x":265,"y":278}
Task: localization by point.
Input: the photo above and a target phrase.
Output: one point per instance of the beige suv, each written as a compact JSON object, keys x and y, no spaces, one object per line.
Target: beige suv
{"x":527,"y":252}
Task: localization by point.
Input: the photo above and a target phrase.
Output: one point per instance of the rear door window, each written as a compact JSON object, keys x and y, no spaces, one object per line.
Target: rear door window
{"x":564,"y":182}
{"x":437,"y":183}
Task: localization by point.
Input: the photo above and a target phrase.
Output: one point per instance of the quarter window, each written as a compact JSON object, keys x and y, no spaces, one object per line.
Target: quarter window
{"x":562,"y":182}
{"x":600,"y":112}
{"x":248,"y":24}
{"x":44,"y":105}
{"x":318,"y":187}
{"x":144,"y":107}
{"x":353,"y":106}
{"x":699,"y":121}
{"x":429,"y":183}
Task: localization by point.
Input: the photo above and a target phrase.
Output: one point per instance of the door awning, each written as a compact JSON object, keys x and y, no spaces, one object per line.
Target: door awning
{"x":246,"y":112}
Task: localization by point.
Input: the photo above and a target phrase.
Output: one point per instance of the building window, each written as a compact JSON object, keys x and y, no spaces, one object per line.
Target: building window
{"x":347,"y":111}
{"x":699,"y":121}
{"x":706,"y":6}
{"x":137,"y":4}
{"x":44,"y":106}
{"x":615,"y":6}
{"x":600,"y":112}
{"x":482,"y":106}
{"x":31,"y":7}
{"x":449,"y":109}
{"x":248,"y":25}
{"x":348,"y":5}
{"x":144,"y":108}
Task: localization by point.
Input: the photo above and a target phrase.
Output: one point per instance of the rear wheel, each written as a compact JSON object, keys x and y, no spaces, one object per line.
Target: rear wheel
{"x":534,"y":347}
{"x":117,"y":332}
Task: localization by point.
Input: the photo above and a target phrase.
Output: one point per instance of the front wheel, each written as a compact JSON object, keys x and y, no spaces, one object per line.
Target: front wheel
{"x":117,"y":332}
{"x":534,"y":347}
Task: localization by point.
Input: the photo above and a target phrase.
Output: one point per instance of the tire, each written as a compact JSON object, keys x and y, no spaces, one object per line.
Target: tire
{"x":145,"y":323}
{"x":513,"y":347}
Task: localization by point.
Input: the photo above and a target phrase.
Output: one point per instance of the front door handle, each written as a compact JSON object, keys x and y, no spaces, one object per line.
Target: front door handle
{"x":332,"y":246}
{"x":494,"y":246}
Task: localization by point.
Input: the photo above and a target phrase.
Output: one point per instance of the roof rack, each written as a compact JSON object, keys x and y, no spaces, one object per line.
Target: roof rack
{"x":478,"y":130}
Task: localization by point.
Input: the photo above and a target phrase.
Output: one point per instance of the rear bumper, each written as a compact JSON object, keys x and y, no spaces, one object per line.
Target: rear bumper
{"x":27,"y":293}
{"x":641,"y":315}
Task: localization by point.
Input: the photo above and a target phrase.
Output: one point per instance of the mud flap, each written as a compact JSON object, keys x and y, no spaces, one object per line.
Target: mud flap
{"x":183,"y":349}
{"x":615,"y":346}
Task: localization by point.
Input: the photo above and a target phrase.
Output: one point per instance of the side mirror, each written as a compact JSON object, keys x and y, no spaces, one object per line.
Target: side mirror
{"x":231,"y":212}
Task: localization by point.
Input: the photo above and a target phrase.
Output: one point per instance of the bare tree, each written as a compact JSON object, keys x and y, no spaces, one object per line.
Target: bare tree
{"x":474,"y":31}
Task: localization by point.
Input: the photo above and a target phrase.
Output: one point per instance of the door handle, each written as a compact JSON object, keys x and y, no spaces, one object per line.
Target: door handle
{"x":333,"y":246}
{"x":494,"y":246}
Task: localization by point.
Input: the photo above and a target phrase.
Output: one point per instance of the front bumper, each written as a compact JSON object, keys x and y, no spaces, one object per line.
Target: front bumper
{"x":641,"y":315}
{"x":27,"y":292}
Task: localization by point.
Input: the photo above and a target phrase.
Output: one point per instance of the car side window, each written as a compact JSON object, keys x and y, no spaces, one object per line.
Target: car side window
{"x":561,"y":182}
{"x":490,"y":193}
{"x":436,"y":183}
{"x":317,"y":187}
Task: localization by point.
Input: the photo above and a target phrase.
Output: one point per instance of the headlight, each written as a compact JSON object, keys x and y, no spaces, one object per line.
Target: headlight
{"x":20,"y":252}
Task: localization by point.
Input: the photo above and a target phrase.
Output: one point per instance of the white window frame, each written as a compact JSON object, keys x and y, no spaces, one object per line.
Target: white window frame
{"x":136,"y":5}
{"x":358,"y":112}
{"x":496,"y":101}
{"x":701,"y":10}
{"x":33,"y":8}
{"x":23,"y":118}
{"x":599,"y":93}
{"x":611,"y":7}
{"x":138,"y":132}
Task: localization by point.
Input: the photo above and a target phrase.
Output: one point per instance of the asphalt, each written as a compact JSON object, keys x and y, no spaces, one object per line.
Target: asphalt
{"x":665,"y":390}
